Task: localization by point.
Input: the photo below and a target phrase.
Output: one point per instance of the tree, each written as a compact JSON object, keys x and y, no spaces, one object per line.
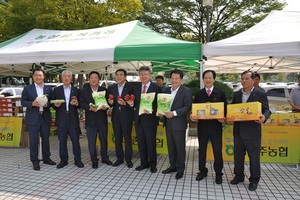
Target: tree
{"x":185,"y":19}
{"x":20,"y":16}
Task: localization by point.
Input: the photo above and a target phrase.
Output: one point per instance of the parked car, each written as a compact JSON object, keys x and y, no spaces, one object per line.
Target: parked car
{"x":278,"y":94}
{"x":11,"y":92}
{"x":104,"y":83}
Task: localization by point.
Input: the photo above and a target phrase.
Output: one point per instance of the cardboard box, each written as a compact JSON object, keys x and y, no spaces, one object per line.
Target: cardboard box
{"x":273,"y":120}
{"x":244,"y":111}
{"x":288,"y":119}
{"x":208,"y":110}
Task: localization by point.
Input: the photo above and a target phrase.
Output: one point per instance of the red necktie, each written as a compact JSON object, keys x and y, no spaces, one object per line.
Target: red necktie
{"x":144,"y":89}
{"x":208,"y":92}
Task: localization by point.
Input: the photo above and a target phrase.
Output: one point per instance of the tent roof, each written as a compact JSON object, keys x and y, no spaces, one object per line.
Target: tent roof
{"x":273,"y":45}
{"x":93,"y":49}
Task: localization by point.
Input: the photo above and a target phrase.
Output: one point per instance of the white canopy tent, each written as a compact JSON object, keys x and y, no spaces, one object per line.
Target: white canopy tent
{"x":271,"y":46}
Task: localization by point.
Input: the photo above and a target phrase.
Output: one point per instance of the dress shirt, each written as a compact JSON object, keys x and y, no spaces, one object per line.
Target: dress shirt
{"x":173,"y":94}
{"x":67,"y":92}
{"x":245,"y":95}
{"x":40,"y":92}
{"x":211,"y":89}
{"x":148,"y":85}
{"x":120,"y":88}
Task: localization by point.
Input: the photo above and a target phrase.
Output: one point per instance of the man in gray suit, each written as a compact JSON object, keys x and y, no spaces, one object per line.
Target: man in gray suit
{"x":176,"y":123}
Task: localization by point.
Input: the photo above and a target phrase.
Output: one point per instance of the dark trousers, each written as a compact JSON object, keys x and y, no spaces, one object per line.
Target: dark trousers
{"x":146,"y":138}
{"x":123,"y":129}
{"x":92,"y":136}
{"x":176,"y":141}
{"x":252,"y":147}
{"x":40,"y":129}
{"x":63,"y":133}
{"x":216,"y":141}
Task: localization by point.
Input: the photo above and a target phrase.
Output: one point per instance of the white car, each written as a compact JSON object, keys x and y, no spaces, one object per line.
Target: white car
{"x":11,"y":92}
{"x":278,"y":94}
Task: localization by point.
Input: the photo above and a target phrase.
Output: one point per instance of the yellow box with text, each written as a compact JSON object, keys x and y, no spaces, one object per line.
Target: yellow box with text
{"x":244,"y":111}
{"x":208,"y":110}
{"x":288,"y":119}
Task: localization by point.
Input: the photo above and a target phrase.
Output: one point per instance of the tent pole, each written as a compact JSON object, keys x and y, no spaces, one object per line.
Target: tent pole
{"x":201,"y":72}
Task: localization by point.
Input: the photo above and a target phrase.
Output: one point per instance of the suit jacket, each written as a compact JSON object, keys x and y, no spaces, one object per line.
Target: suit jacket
{"x":61,"y":112}
{"x":29,"y":94}
{"x":149,"y":120}
{"x":210,"y":126}
{"x":251,"y":129}
{"x":92,"y":119}
{"x":126,"y":112}
{"x":182,"y":104}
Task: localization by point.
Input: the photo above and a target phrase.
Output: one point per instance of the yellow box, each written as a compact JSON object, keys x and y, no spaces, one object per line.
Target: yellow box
{"x":273,"y":120}
{"x":288,"y":119}
{"x":208,"y":110}
{"x":244,"y":111}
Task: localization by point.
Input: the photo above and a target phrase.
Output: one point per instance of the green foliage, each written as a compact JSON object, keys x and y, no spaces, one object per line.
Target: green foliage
{"x":187,"y":19}
{"x":194,"y":85}
{"x":20,"y":16}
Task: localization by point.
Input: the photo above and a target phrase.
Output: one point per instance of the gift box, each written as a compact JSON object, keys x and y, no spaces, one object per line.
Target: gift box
{"x":244,"y":111}
{"x":273,"y":120}
{"x":208,"y":110}
{"x":288,"y":119}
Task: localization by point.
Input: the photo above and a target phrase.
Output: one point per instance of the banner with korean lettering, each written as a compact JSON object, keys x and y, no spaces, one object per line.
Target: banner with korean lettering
{"x":279,"y":145}
{"x":161,"y":139}
{"x":10,"y":131}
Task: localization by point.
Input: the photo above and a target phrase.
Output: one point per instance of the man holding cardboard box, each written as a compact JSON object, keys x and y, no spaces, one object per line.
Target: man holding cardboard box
{"x":247,"y":134}
{"x":209,"y":127}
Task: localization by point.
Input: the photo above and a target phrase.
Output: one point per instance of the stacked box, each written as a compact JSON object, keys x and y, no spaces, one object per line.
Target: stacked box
{"x":288,"y":119}
{"x":208,"y":110}
{"x":244,"y":111}
{"x":6,"y":107}
{"x":273,"y":120}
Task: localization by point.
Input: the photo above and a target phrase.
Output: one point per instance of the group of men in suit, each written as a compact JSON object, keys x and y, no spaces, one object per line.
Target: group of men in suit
{"x":247,"y":135}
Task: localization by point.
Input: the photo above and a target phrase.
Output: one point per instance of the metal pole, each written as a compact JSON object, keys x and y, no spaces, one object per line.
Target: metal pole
{"x":207,"y":25}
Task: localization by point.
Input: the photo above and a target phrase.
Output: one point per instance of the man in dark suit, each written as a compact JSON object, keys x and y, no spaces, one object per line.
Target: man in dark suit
{"x":210,"y":129}
{"x":95,"y":120}
{"x":67,"y":119}
{"x":176,"y":123}
{"x":247,"y":134}
{"x":38,"y":117}
{"x":146,"y":123}
{"x":122,"y":117}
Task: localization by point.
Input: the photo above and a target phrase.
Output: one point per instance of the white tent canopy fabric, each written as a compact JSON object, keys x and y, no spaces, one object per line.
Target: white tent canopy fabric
{"x":125,"y":45}
{"x":271,"y":46}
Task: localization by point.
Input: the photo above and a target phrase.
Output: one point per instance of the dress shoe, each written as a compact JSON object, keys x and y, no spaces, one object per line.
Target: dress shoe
{"x":179,"y":175}
{"x":129,"y":164}
{"x":36,"y":166}
{"x":141,"y":167}
{"x":62,"y":164}
{"x":252,"y":186}
{"x":169,"y":170}
{"x":153,"y":169}
{"x":107,"y":161}
{"x":49,"y":162}
{"x":95,"y":165}
{"x":201,"y":176}
{"x":219,"y":179}
{"x":117,"y":163}
{"x":79,"y":164}
{"x":236,"y":181}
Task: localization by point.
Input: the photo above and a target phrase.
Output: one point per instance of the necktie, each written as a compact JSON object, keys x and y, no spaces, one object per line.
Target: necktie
{"x":208,"y":92}
{"x":144,"y":89}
